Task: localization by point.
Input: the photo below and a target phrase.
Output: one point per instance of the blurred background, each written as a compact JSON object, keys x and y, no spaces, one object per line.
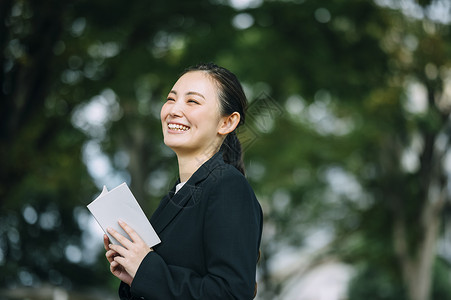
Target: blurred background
{"x":346,"y":142}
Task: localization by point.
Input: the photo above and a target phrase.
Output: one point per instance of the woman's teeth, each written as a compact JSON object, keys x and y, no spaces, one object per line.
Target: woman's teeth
{"x":178,"y":127}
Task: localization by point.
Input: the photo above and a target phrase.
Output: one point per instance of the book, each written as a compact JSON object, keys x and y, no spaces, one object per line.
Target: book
{"x":120,"y":204}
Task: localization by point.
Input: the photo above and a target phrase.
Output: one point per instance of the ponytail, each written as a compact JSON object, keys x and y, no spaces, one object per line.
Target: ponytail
{"x":232,"y":99}
{"x":231,"y":152}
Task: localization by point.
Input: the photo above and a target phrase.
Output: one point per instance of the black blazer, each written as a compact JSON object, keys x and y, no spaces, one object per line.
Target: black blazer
{"x":210,"y":232}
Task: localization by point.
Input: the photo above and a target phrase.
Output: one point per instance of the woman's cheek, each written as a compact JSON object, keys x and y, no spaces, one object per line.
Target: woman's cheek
{"x":163,"y":112}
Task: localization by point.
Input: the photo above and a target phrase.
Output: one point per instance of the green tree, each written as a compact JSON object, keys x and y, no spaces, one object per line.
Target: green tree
{"x":413,"y":195}
{"x":361,"y":63}
{"x":330,"y":127}
{"x":43,"y":179}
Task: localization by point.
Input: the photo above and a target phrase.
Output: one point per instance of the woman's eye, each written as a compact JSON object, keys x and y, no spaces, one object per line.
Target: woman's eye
{"x":170,"y":99}
{"x":193,"y":101}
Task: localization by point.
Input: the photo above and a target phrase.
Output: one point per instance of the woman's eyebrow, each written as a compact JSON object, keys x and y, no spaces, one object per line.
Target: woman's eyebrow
{"x":189,"y":93}
{"x":196,"y":93}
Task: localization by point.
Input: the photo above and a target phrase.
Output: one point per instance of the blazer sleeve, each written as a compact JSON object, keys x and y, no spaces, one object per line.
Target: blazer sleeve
{"x":232,"y":232}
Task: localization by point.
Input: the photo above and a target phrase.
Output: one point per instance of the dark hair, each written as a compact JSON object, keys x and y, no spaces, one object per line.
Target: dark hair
{"x":232,"y":99}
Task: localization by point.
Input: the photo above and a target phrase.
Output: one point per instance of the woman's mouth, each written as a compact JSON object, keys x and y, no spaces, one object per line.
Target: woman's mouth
{"x":178,"y":127}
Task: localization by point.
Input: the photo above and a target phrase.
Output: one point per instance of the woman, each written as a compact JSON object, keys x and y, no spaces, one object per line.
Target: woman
{"x":210,"y":223}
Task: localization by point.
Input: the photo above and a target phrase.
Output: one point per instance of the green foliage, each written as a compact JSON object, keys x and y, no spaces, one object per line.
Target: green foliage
{"x":337,"y":74}
{"x":441,"y":288}
{"x":375,"y":282}
{"x":372,"y":282}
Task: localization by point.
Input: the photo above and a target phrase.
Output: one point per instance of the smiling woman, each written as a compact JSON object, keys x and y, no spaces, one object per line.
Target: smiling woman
{"x":210,"y":223}
{"x":192,"y":120}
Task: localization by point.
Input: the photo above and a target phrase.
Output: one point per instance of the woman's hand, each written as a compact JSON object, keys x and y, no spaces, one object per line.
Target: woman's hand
{"x":125,"y":260}
{"x":115,"y":268}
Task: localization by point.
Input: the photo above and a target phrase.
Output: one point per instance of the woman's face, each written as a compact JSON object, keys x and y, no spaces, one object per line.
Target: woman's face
{"x":190,"y":118}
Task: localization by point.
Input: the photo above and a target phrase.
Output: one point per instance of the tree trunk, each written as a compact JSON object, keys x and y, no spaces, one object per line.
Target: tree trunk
{"x":417,"y":269}
{"x":417,"y":264}
{"x":25,"y":86}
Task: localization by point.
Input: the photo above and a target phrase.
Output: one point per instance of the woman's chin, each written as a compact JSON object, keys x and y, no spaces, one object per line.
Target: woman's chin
{"x":176,"y":145}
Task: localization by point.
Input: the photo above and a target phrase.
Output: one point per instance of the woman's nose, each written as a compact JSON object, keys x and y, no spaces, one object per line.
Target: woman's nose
{"x":176,"y":109}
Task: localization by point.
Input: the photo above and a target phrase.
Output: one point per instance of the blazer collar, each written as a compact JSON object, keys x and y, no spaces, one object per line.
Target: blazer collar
{"x":171,"y":205}
{"x":206,"y":168}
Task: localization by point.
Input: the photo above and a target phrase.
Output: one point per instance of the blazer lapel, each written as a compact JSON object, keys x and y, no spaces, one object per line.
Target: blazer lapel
{"x":157,"y":213}
{"x":172,"y":204}
{"x":171,"y":207}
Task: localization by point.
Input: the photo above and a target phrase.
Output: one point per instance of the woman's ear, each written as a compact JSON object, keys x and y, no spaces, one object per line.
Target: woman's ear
{"x":229,"y":123}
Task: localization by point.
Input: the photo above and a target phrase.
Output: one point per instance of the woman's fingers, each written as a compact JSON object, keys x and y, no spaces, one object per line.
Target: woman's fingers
{"x":131,"y":233}
{"x":135,"y":238}
{"x":120,"y":238}
{"x":115,"y":268}
{"x":106,"y":242}
{"x":125,"y":258}
{"x":120,"y":260}
{"x":114,"y":253}
{"x":114,"y":264}
{"x":110,"y":255}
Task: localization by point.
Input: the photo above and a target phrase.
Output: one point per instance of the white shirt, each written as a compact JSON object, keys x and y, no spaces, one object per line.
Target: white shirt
{"x":179,"y":186}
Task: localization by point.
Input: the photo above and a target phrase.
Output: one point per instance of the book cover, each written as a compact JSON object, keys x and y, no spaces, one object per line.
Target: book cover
{"x":120,"y":204}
